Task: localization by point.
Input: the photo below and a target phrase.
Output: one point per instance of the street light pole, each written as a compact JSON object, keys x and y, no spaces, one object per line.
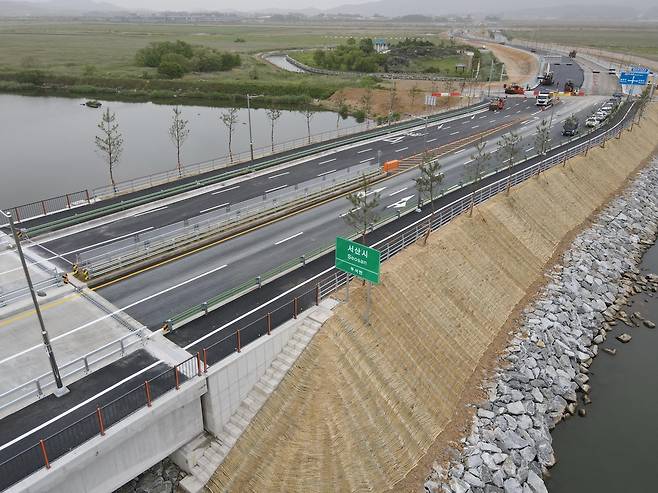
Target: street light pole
{"x":61,"y":390}
{"x":251,"y":139}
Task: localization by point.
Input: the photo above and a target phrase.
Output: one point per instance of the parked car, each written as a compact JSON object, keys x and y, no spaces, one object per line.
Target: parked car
{"x":591,"y":122}
{"x":570,"y":127}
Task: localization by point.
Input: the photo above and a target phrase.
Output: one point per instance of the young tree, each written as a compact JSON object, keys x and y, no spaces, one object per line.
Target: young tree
{"x":178,"y":132}
{"x":110,"y":142}
{"x":428,"y":183}
{"x":509,"y":150}
{"x":308,"y":113}
{"x":392,"y":101}
{"x":414,"y":92}
{"x":543,"y":137}
{"x":363,"y":214}
{"x":476,"y":168}
{"x":230,"y":119}
{"x":342,"y":109}
{"x":366,"y":105}
{"x":273,"y":115}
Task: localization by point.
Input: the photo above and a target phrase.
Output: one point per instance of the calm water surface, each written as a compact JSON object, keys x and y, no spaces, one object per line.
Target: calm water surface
{"x":48,"y":143}
{"x":615,"y":447}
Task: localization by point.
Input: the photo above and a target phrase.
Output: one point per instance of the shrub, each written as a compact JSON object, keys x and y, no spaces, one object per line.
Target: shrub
{"x":171,"y":70}
{"x":360,"y":116}
{"x":36,"y":77}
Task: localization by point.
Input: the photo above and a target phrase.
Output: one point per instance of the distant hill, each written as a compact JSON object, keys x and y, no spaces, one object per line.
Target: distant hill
{"x":14,"y":8}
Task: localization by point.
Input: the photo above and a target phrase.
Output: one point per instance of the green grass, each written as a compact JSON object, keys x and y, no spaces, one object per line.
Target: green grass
{"x":97,"y":60}
{"x":636,"y":40}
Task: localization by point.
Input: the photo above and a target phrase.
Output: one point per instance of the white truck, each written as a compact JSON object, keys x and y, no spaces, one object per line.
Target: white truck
{"x":544,"y":99}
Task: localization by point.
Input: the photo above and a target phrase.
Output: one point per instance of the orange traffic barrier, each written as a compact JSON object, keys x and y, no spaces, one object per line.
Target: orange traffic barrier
{"x":391,"y":165}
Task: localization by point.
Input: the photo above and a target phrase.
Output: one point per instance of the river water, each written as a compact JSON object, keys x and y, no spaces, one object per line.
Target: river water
{"x":47,"y":143}
{"x":615,"y":447}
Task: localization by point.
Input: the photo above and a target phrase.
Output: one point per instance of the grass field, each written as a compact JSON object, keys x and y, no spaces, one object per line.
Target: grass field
{"x":98,"y":59}
{"x":636,"y":40}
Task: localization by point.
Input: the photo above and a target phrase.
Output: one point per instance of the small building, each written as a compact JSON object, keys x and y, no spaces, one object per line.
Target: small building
{"x":381,"y":45}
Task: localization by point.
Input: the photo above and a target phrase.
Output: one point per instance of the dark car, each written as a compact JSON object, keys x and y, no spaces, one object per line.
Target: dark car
{"x":570,"y":127}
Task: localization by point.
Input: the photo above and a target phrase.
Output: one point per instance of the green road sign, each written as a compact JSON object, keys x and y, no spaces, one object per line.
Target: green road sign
{"x":358,"y":260}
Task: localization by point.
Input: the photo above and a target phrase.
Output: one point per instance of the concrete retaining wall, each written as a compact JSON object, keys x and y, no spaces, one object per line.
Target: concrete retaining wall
{"x":230,"y":380}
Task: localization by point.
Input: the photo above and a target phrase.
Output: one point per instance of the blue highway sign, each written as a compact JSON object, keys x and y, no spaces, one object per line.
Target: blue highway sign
{"x":634,"y":78}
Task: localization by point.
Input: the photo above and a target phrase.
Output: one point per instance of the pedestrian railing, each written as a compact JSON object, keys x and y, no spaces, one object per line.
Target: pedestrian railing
{"x":83,"y":365}
{"x":48,"y":206}
{"x":237,"y":336}
{"x":13,"y":295}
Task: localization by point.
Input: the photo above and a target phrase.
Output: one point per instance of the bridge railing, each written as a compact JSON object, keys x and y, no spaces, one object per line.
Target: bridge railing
{"x":44,"y":451}
{"x":48,"y":449}
{"x":48,"y":206}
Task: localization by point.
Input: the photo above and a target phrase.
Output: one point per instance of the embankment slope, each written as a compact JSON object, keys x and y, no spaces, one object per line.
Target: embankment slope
{"x":363,"y":404}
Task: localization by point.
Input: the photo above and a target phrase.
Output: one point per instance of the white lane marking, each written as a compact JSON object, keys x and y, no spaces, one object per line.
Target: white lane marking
{"x":518,"y":111}
{"x":536,"y":113}
{"x":507,"y":116}
{"x":224,"y":190}
{"x":327,"y":161}
{"x":148,"y":212}
{"x":275,"y":189}
{"x":366,"y":160}
{"x":364,"y":150}
{"x":327,"y":172}
{"x":475,"y":126}
{"x":460,"y":150}
{"x":403,"y":149}
{"x":492,"y":121}
{"x":430,"y":140}
{"x":473,"y":117}
{"x":485,"y":116}
{"x":446,"y":128}
{"x":289,"y":238}
{"x":401,"y":203}
{"x":469,"y":161}
{"x":104,"y":317}
{"x":108,"y":241}
{"x":399,"y":191}
{"x":351,"y":210}
{"x":214,"y":207}
{"x":276,"y":176}
{"x":454,"y":133}
{"x":376,"y":190}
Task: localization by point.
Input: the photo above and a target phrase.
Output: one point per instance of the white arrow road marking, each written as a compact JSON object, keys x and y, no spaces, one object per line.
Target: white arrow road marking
{"x":401,"y":203}
{"x":351,"y":210}
{"x":376,"y":190}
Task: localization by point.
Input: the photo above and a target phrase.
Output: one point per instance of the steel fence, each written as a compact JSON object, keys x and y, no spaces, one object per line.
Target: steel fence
{"x":48,"y":206}
{"x":95,"y":424}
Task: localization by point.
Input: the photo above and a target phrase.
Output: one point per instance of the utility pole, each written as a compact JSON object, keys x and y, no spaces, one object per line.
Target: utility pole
{"x":251,"y":139}
{"x":490,"y":76}
{"x":61,"y":390}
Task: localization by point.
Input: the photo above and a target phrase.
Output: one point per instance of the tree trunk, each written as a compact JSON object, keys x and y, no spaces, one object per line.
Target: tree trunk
{"x":272,"y":136}
{"x":230,"y":149}
{"x":114,"y":185}
{"x":180,"y":169}
{"x":308,"y":127}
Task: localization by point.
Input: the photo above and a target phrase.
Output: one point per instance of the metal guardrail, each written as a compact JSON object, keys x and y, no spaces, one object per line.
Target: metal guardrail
{"x":7,"y":297}
{"x":95,"y":424}
{"x":82,"y":365}
{"x":48,"y":206}
{"x":41,"y":454}
{"x":152,"y":196}
{"x":94,"y":264}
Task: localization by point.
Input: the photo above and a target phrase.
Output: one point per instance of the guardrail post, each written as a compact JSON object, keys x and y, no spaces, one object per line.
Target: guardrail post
{"x":198,"y":363}
{"x":237,"y":334}
{"x":68,"y":201}
{"x":147,"y":390}
{"x":205,"y":361}
{"x":44,"y":453}
{"x":43,"y":206}
{"x":86,"y":364}
{"x":205,"y":307}
{"x":317,"y":294}
{"x":269,"y":323}
{"x":88,"y":198}
{"x":39,"y":389}
{"x":177,"y":377}
{"x":258,"y":280}
{"x":303,"y":259}
{"x":101,"y":423}
{"x":294,"y":308}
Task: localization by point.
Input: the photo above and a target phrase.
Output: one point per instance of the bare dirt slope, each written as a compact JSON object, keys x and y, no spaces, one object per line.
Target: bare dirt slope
{"x":363,"y":405}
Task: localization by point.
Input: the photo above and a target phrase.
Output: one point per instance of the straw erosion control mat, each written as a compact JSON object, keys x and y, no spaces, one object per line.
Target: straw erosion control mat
{"x":363,"y":405}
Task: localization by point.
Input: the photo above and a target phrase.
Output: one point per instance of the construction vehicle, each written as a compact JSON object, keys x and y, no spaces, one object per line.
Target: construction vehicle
{"x":497,"y":104}
{"x":513,"y":89}
{"x":572,"y":54}
{"x":547,"y":79}
{"x":569,"y":86}
{"x":544,"y":99}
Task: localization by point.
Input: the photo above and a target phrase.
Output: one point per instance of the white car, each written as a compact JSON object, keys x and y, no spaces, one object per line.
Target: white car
{"x":591,"y":122}
{"x":601,"y":115}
